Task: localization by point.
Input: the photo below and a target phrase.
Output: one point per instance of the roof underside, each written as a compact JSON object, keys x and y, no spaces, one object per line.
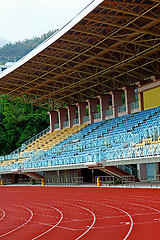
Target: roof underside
{"x":116,"y":44}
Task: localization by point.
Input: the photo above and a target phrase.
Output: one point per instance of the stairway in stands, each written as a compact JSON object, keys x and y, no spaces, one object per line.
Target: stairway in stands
{"x":34,"y":175}
{"x":119,"y":173}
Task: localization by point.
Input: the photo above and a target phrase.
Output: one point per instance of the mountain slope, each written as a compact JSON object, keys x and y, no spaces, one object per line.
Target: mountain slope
{"x":12,"y":52}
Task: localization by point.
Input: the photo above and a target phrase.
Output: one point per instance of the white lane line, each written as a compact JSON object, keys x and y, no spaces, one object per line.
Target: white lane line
{"x":131,"y":219}
{"x":54,"y":225}
{"x":141,"y":205}
{"x":71,"y":229}
{"x":154,"y":209}
{"x":51,"y":225}
{"x":131,"y":227}
{"x":13,"y":230}
{"x":3,"y":214}
{"x":94,"y":220}
{"x":131,"y":223}
{"x":94,"y":217}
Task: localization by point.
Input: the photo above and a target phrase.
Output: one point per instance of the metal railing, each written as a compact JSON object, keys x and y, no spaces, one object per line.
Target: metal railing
{"x":36,"y":137}
{"x":97,"y":115}
{"x":73,"y":181}
{"x":56,"y":126}
{"x":122,"y":108}
{"x":15,"y":153}
{"x":105,"y":180}
{"x":75,"y":121}
{"x":92,"y":156}
{"x":129,"y":169}
{"x":85,"y":119}
{"x":123,"y":140}
{"x":103,"y":145}
{"x":133,"y":152}
{"x":134,"y":105}
{"x":109,"y":112}
{"x":65,"y":124}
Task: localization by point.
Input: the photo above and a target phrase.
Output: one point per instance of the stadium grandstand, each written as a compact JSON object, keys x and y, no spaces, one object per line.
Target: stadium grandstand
{"x":99,"y":79}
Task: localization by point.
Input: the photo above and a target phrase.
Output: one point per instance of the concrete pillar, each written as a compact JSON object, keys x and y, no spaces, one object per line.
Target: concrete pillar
{"x":129,"y":97}
{"x":142,"y":171}
{"x":104,"y":105}
{"x":21,"y":177}
{"x":158,"y":171}
{"x":81,"y":111}
{"x":53,"y":119}
{"x":116,"y":101}
{"x":92,"y":106}
{"x":12,"y":178}
{"x":141,"y":101}
{"x":62,"y":113}
{"x":93,"y":179}
{"x":140,"y":95}
{"x":71,"y":114}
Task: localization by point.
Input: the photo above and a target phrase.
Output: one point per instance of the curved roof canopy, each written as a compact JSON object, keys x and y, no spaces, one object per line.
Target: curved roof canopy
{"x":111,"y":43}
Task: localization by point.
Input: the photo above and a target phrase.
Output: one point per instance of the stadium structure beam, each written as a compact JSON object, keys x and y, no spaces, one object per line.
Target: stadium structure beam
{"x":108,"y":45}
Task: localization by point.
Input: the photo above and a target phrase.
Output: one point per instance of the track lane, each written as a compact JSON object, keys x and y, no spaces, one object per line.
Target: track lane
{"x":21,"y":226}
{"x":145,"y":225}
{"x":42,"y":234}
{"x":76,"y":221}
{"x":94,"y":220}
{"x":147,"y":222}
{"x":113,"y":224}
{"x":34,"y":226}
{"x":131,"y":220}
{"x":3,"y":214}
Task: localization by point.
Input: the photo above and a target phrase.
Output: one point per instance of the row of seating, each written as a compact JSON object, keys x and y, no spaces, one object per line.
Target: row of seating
{"x":85,"y":145}
{"x":80,"y":142}
{"x":49,"y":140}
{"x":149,"y":141}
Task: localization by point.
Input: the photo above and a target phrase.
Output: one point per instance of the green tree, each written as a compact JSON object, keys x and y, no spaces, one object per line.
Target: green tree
{"x":18,"y":123}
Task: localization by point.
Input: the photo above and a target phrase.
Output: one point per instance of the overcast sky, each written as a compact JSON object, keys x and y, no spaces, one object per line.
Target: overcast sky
{"x":24,"y":19}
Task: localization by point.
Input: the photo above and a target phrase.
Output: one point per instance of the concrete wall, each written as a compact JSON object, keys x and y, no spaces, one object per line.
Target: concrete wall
{"x":149,"y":95}
{"x":151,"y":98}
{"x":62,"y":176}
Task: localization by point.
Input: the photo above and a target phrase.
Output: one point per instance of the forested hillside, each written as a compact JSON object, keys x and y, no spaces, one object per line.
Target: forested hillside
{"x":13,"y":52}
{"x":18,"y":123}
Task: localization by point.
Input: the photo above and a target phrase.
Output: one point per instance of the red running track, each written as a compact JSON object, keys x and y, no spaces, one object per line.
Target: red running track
{"x":72,"y":213}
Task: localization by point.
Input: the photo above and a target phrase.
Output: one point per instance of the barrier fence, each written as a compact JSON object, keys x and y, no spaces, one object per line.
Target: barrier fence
{"x":113,"y":181}
{"x":113,"y":154}
{"x":75,"y":181}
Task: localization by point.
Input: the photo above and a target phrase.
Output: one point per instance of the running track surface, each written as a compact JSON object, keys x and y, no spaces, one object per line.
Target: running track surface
{"x":72,"y":213}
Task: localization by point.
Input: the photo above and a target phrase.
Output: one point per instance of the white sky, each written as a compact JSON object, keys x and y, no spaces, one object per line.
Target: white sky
{"x":24,"y":19}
